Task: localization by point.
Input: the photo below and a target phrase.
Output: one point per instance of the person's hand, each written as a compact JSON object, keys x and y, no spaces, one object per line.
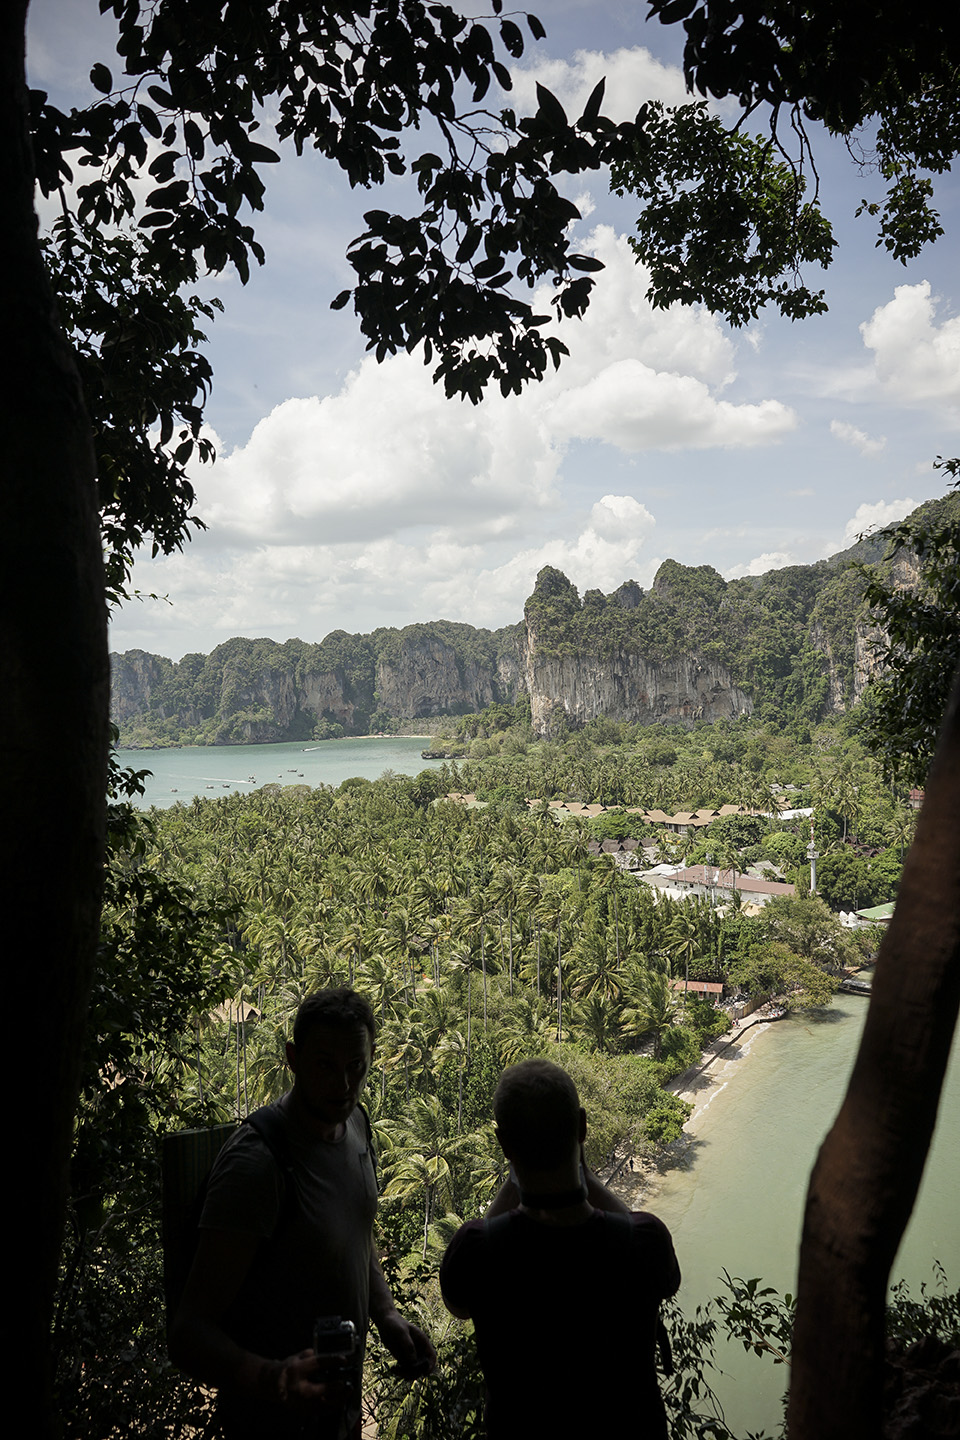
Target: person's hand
{"x":299,"y":1388}
{"x":409,"y":1346}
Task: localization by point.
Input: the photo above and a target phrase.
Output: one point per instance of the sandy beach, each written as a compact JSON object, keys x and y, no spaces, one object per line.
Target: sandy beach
{"x":719,"y":1066}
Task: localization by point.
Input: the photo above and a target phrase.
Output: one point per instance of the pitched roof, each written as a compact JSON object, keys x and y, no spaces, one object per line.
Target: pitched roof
{"x":732,"y":879}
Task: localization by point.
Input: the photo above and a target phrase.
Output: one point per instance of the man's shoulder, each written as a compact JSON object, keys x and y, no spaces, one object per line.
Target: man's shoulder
{"x":647,"y":1224}
{"x":246,"y":1185}
{"x":461,"y":1263}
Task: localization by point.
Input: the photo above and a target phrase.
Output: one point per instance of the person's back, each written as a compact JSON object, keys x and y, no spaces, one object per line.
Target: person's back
{"x":566,"y":1320}
{"x":564,"y":1290}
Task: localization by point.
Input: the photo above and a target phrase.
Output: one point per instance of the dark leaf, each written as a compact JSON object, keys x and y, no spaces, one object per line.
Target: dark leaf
{"x":592,"y":108}
{"x":468,"y":245}
{"x":150,"y":121}
{"x":550,"y":111}
{"x":262,"y":154}
{"x":512,"y":37}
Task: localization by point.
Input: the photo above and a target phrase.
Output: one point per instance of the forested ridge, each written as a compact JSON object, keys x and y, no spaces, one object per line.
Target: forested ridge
{"x":790,"y":644}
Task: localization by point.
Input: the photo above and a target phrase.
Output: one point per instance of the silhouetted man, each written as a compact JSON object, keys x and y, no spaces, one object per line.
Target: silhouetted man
{"x":562,"y":1282}
{"x":285,"y":1244}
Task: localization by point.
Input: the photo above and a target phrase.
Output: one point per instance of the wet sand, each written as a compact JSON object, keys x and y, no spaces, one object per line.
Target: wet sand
{"x":719,"y":1066}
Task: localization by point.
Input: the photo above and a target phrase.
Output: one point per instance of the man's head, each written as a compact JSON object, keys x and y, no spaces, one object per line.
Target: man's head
{"x":330,"y":1055}
{"x":337,"y":1007}
{"x":540,"y":1122}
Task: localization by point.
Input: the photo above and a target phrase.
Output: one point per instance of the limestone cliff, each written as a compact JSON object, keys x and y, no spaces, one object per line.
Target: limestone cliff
{"x":694,"y":647}
{"x":134,"y":676}
{"x":423,"y":675}
{"x":625,"y":686}
{"x":258,"y":691}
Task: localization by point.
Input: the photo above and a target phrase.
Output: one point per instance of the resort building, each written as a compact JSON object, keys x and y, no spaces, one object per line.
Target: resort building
{"x":712,"y":883}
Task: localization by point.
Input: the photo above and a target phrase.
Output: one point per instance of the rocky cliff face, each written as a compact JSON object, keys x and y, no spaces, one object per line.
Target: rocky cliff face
{"x":422,"y":678}
{"x":625,"y":686}
{"x":427,"y":677}
{"x":134,"y":676}
{"x":254,"y":692}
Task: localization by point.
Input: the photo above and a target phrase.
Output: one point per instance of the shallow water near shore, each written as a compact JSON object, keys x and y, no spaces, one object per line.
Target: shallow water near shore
{"x":734,"y":1196}
{"x":211,"y":770}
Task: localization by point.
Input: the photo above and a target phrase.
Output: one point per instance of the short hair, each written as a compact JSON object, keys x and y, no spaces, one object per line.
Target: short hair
{"x":337,"y":1006}
{"x":537,"y":1111}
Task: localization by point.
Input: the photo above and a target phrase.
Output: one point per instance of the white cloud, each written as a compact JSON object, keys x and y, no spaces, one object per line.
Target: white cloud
{"x":874,"y":516}
{"x":636,"y":408}
{"x":386,"y":453}
{"x":859,"y":439}
{"x":916,"y":360}
{"x":389,"y":453}
{"x":632,"y":76}
{"x":305,"y":589}
{"x":773,"y":560}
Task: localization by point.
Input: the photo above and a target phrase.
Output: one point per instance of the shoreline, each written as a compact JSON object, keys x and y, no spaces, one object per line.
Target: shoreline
{"x":718,"y":1065}
{"x":700,"y":1084}
{"x":303,"y":746}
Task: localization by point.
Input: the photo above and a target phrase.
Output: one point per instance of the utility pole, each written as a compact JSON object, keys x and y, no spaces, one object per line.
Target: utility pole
{"x":812,"y":855}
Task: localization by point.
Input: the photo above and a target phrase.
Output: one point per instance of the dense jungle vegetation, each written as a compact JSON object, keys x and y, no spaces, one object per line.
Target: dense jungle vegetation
{"x":482,"y":935}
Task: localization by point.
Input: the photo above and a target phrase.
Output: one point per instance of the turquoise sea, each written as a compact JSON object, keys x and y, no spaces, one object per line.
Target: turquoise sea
{"x":179,"y":774}
{"x":735,"y":1201}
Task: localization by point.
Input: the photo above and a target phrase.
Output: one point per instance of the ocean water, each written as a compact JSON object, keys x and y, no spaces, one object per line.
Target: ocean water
{"x":736,"y":1201}
{"x":179,"y":774}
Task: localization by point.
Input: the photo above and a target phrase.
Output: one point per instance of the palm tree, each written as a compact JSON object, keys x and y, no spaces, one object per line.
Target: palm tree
{"x":651,"y":1006}
{"x":506,"y":886}
{"x":476,"y":910}
{"x":454,"y":1046}
{"x":420,"y":1156}
{"x":598,"y":1020}
{"x":552,"y":910}
{"x":683,"y":940}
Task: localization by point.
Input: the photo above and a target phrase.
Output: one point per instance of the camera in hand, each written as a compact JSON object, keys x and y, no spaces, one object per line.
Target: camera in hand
{"x":337,"y":1351}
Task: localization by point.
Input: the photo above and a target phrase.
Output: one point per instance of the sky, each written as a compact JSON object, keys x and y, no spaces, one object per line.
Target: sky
{"x":350,"y":495}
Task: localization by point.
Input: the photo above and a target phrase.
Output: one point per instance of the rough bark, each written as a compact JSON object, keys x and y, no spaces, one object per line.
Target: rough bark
{"x":867,"y":1174}
{"x":53,"y":728}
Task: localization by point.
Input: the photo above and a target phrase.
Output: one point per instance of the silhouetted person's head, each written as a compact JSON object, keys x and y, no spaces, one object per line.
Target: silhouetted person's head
{"x":338,"y":1008}
{"x":330,"y":1057}
{"x":540,"y":1122}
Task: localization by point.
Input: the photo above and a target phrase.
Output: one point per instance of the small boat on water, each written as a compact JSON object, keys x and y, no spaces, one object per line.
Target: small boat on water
{"x":852,"y":985}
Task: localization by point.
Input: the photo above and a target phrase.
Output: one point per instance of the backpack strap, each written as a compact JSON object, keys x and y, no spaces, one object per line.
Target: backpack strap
{"x":371,"y":1147}
{"x":269,"y":1126}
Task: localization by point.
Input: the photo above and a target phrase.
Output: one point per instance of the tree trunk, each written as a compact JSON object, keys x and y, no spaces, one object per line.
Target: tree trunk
{"x":54,"y":729}
{"x":867,"y":1174}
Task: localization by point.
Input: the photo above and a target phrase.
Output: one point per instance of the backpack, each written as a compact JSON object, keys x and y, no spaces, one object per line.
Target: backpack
{"x":187,"y":1158}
